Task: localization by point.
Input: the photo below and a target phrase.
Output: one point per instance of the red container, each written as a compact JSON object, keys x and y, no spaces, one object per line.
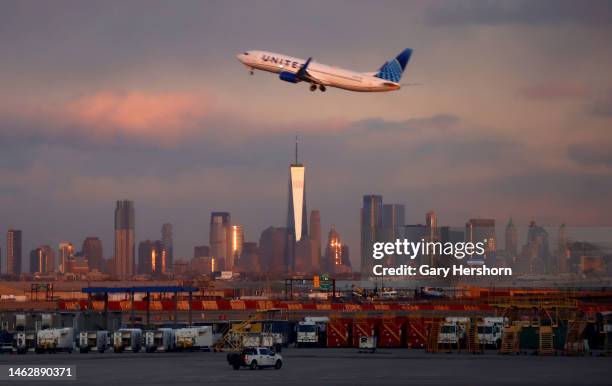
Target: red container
{"x":391,"y":332}
{"x":416,"y":333}
{"x":363,"y":327}
{"x":338,"y":332}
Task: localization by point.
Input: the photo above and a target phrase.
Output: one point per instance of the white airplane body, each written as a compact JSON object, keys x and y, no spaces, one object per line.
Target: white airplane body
{"x":295,"y":70}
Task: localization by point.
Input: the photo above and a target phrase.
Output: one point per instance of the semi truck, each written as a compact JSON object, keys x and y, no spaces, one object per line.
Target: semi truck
{"x":55,"y":339}
{"x":490,"y":331}
{"x":310,"y":331}
{"x":194,"y":338}
{"x":452,"y":331}
{"x":160,"y":340}
{"x":127,"y":339}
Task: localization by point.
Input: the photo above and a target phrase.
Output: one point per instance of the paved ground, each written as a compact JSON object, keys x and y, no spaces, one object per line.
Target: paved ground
{"x":325,"y":367}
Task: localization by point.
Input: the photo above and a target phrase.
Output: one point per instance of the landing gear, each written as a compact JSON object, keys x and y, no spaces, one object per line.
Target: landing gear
{"x":251,"y":72}
{"x":313,"y":87}
{"x":322,"y":88}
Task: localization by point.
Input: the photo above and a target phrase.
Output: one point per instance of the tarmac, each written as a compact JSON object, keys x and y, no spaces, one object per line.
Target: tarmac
{"x":322,"y":367}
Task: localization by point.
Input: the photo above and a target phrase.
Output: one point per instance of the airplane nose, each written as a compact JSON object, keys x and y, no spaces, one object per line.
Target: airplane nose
{"x":240,"y":58}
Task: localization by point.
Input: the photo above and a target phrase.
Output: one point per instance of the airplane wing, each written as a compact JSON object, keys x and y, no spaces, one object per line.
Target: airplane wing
{"x":305,"y":75}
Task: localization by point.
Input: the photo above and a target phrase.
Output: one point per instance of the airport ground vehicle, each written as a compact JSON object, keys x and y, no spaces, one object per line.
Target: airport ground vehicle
{"x":309,"y":331}
{"x":55,"y":339}
{"x":96,"y":340}
{"x":194,"y":338}
{"x":367,"y":343}
{"x":127,"y":339}
{"x":255,"y":358}
{"x":6,"y":342}
{"x":159,"y":340}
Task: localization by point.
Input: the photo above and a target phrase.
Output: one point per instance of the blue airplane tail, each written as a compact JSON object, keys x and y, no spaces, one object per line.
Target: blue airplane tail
{"x":393,"y":69}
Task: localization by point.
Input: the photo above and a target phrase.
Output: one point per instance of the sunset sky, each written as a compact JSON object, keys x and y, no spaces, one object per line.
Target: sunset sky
{"x":144,"y":100}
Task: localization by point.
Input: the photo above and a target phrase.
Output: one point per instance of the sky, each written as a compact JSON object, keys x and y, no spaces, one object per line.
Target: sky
{"x":511,"y":115}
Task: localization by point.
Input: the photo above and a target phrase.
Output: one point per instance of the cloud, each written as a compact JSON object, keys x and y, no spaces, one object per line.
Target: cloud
{"x":595,"y":12}
{"x":555,"y":91}
{"x":591,"y":153}
{"x":602,"y":105}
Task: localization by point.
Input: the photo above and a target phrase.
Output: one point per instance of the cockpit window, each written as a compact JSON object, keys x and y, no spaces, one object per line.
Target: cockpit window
{"x":246,"y":53}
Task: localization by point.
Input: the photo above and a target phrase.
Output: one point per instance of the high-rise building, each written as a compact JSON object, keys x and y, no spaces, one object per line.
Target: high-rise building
{"x":42,"y":260}
{"x":479,"y":230}
{"x":315,"y":240}
{"x":272,"y":246}
{"x":201,"y":250}
{"x":13,"y":252}
{"x":393,"y":218}
{"x":297,"y":222}
{"x":563,"y":251}
{"x":237,"y":244}
{"x":167,"y":239}
{"x":511,"y":239}
{"x":92,"y":250}
{"x":124,"y":239}
{"x":220,"y":237}
{"x":250,"y":259}
{"x":66,"y":253}
{"x":371,"y":222}
{"x":433,"y":235}
{"x":152,"y":257}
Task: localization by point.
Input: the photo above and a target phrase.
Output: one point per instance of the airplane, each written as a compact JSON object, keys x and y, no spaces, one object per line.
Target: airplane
{"x":321,"y":76}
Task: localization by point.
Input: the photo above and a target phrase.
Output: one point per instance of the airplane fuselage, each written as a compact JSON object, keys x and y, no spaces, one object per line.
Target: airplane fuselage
{"x":321,"y":74}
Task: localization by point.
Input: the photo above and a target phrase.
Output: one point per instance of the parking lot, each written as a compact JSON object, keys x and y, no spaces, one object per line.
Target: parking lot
{"x":325,"y":367}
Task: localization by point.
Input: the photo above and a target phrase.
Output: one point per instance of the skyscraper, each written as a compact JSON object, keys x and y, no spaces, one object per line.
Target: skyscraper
{"x":431,"y":221}
{"x":152,"y":257}
{"x":92,"y":250}
{"x":66,"y":253}
{"x":42,"y":260}
{"x":511,"y":239}
{"x":297,"y":222}
{"x":237,"y":244}
{"x":477,"y":230}
{"x":220,"y":238}
{"x":272,"y":245}
{"x":124,"y":239}
{"x":315,"y":240}
{"x":167,"y":239}
{"x":13,"y":252}
{"x":393,"y":219}
{"x":371,"y":222}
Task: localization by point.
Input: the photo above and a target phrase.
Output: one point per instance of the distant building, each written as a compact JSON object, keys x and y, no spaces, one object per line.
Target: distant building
{"x":272,"y":245}
{"x":204,"y":265}
{"x":167,"y":238}
{"x":13,"y":252}
{"x":180,"y":267}
{"x":433,"y":235}
{"x":371,"y":224}
{"x":236,"y":246}
{"x":66,"y":253}
{"x":152,"y":257}
{"x":92,"y":249}
{"x":124,"y":239}
{"x":335,"y":261}
{"x":42,"y":260}
{"x":479,"y":230}
{"x":297,"y":221}
{"x":393,"y":219}
{"x":563,"y":251}
{"x":536,"y":252}
{"x":315,"y":240}
{"x":201,"y":250}
{"x":511,"y":239}
{"x":220,"y":238}
{"x":249,"y":261}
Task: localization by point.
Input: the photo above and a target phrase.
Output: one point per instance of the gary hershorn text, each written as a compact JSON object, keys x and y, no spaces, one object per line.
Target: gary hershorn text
{"x":426,"y":270}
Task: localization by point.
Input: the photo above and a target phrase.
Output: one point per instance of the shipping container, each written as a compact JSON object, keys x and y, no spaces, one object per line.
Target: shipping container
{"x":339,"y":332}
{"x":391,"y":332}
{"x":416,"y":332}
{"x":363,"y":328}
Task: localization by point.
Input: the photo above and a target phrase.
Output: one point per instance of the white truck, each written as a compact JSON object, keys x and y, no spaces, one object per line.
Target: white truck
{"x":255,"y":358}
{"x":452,"y":331}
{"x":93,"y":340}
{"x":127,"y":339}
{"x":55,"y":339}
{"x":194,"y":338}
{"x":309,"y":330}
{"x":490,"y":331}
{"x":20,"y":342}
{"x":160,"y":340}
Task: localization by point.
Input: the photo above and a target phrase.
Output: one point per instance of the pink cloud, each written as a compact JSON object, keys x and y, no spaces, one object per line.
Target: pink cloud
{"x":163,"y":115}
{"x":554,"y":90}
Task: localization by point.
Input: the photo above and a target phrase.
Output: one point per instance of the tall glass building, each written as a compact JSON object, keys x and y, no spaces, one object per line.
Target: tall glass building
{"x":124,"y":239}
{"x":297,"y":222}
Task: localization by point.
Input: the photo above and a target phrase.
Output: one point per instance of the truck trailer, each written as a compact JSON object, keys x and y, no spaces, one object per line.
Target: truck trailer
{"x":194,"y":338}
{"x":55,"y":339}
{"x":127,"y":339}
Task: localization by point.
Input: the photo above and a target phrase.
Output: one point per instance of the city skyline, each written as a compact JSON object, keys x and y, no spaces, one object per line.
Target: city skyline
{"x":169,"y":119}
